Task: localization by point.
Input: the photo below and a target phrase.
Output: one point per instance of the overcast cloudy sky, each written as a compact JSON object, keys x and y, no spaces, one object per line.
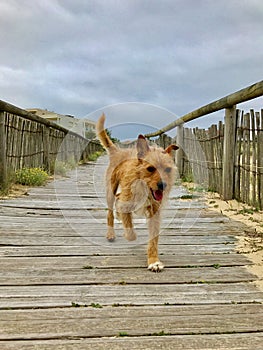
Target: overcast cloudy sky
{"x":78,"y":56}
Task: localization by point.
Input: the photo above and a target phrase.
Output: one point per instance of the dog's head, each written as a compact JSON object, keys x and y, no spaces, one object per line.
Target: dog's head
{"x":156,"y":168}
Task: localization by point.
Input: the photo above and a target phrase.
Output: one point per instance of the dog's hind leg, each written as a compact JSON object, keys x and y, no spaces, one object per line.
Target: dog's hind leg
{"x":129,"y":232}
{"x":154,"y":264}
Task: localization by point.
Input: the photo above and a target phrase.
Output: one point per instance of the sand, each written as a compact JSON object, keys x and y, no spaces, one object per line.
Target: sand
{"x":251,"y":242}
{"x":15,"y":191}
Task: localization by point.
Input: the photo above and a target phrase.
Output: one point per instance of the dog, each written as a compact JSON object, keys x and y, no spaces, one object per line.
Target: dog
{"x":138,"y":180}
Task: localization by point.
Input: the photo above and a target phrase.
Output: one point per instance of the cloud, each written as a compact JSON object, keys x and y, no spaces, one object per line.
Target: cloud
{"x":76,"y":57}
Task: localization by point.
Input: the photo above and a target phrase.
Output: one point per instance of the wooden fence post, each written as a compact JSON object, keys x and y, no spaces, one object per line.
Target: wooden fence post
{"x":179,"y":153}
{"x":3,"y":165}
{"x":229,"y":153}
{"x":260,"y":158}
{"x":46,"y":148}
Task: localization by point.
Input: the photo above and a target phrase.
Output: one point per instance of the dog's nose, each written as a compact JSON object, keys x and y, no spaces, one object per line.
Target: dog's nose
{"x":161,"y":185}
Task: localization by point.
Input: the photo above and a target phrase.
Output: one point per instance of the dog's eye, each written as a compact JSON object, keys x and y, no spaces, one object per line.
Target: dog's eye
{"x":168,"y":170}
{"x":151,"y":169}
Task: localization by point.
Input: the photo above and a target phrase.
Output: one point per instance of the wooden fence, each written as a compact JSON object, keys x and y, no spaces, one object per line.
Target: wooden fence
{"x":27,"y":140}
{"x":202,"y":159}
{"x":249,"y":158}
{"x":227,"y":158}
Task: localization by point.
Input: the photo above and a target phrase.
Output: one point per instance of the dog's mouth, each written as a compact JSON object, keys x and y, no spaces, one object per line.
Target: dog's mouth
{"x":157,"y":195}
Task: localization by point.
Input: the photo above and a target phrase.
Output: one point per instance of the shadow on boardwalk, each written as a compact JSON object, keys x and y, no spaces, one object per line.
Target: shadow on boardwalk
{"x":63,"y":286}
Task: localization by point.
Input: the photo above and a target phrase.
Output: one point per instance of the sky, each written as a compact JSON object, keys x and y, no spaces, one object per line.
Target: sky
{"x":142,"y":62}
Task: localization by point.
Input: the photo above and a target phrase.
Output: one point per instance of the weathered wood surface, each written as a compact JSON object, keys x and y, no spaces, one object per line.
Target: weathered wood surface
{"x":226,"y":158}
{"x":27,"y":140}
{"x":63,"y":286}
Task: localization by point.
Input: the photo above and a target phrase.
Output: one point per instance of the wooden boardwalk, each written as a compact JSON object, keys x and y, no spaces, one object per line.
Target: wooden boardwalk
{"x":63,"y":286}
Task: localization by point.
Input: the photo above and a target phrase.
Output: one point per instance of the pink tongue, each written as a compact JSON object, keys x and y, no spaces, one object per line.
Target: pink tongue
{"x":158,"y":195}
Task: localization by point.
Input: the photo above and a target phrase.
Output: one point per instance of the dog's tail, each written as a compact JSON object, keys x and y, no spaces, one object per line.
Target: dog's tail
{"x":103,"y":136}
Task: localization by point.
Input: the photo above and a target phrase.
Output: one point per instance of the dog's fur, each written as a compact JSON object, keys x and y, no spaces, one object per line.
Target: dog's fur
{"x":138,"y":180}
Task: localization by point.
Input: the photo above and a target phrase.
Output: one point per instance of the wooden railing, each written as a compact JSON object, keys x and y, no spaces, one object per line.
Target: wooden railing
{"x":230,"y":141}
{"x":27,"y":140}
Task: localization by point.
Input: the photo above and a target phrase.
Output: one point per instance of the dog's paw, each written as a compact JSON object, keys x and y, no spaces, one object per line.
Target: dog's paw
{"x":158,"y":266}
{"x":130,"y":235}
{"x":111,"y":235}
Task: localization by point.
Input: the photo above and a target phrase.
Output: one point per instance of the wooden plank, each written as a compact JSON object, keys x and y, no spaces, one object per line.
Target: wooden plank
{"x":247,"y":341}
{"x":122,"y":261}
{"x":89,"y":323}
{"x":167,"y":229}
{"x":91,"y":250}
{"x":128,"y":312}
{"x":180,"y":216}
{"x":180,"y":294}
{"x":89,"y":237}
{"x":81,"y":204}
{"x":69,"y":275}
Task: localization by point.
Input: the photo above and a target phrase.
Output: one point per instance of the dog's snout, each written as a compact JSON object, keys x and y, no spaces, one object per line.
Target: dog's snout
{"x":161,"y":185}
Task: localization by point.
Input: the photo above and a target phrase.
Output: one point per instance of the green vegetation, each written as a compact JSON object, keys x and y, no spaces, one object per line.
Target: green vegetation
{"x":247,"y":211}
{"x":113,"y":139}
{"x":188,"y":178}
{"x":122,"y":283}
{"x":97,"y":306}
{"x":160,"y":334}
{"x":123,"y":334}
{"x":77,"y":305}
{"x":199,"y":189}
{"x":216,"y":266}
{"x":94,"y":156}
{"x":31,"y":176}
{"x":88,"y":267}
{"x":187,"y":196}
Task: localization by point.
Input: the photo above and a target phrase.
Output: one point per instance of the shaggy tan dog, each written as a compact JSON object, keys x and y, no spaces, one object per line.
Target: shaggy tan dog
{"x":138,"y":180}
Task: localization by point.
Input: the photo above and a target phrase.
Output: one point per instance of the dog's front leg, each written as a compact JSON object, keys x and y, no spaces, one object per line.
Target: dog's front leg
{"x":110,"y":217}
{"x":129,"y":232}
{"x":154,"y":264}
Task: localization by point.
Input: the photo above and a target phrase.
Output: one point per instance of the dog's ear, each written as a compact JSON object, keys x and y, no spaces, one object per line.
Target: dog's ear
{"x":142,"y":147}
{"x":171,"y":148}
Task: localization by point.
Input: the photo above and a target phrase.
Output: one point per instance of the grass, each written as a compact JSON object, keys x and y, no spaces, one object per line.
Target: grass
{"x":123,"y":334}
{"x":187,"y":196}
{"x":160,"y":334}
{"x":188,"y":178}
{"x":248,"y":211}
{"x":95,"y":305}
{"x":216,"y":266}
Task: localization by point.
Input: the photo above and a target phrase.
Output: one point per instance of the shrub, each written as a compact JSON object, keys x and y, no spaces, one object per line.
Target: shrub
{"x":94,"y":156}
{"x":31,"y":176}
